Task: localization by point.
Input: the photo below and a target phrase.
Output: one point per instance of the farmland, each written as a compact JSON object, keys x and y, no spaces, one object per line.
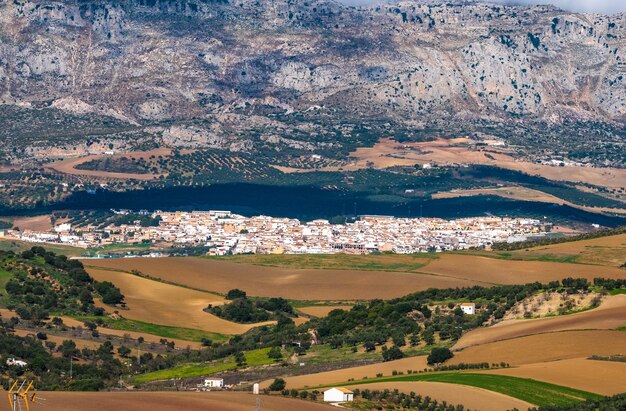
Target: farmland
{"x":168,"y":401}
{"x":529,"y":390}
{"x":611,"y":314}
{"x":471,"y":397}
{"x":331,"y":278}
{"x":159,"y":303}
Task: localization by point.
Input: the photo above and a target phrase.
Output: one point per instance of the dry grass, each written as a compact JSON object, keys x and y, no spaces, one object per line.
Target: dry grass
{"x":165,"y":304}
{"x":602,"y":251}
{"x":545,"y":347}
{"x":356,"y":373}
{"x":298,"y":284}
{"x":322,"y":310}
{"x":499,"y":271}
{"x":80,"y":343}
{"x":37,"y":223}
{"x":68,"y":166}
{"x":169,"y":401}
{"x":471,"y":397}
{"x":611,"y":314}
{"x":603,"y":377}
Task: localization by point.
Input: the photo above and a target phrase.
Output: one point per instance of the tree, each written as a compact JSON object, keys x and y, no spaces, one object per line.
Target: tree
{"x":438,"y":355}
{"x":235,"y":293}
{"x":275,"y":353}
{"x":123,"y":351}
{"x":393,"y":353}
{"x":240,"y":359}
{"x":278,"y":385}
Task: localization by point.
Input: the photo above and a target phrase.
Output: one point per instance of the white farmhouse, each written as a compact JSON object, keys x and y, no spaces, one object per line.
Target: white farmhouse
{"x":468,"y":308}
{"x":12,"y":362}
{"x":338,"y":394}
{"x":214,"y":383}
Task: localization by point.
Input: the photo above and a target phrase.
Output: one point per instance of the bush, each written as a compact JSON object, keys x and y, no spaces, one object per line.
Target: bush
{"x":278,"y":385}
{"x":439,"y":355}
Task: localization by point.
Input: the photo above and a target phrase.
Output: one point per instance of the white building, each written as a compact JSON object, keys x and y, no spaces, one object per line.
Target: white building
{"x":214,"y":383}
{"x":468,"y":308}
{"x":338,"y":394}
{"x":12,"y":362}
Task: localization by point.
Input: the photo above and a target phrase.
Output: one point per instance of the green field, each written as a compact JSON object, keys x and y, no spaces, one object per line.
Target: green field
{"x":18,"y":246}
{"x":5,"y":276}
{"x":380,"y":262}
{"x":532,"y":391}
{"x":253,"y":358}
{"x":187,"y":334}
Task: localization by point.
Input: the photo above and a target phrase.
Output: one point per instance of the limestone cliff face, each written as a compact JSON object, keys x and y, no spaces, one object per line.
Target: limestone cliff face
{"x":145,"y":61}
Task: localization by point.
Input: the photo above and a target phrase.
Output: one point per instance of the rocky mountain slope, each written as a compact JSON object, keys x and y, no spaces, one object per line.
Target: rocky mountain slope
{"x":236,"y":74}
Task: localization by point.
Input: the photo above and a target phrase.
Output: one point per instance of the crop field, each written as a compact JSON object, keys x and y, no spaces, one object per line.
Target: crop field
{"x":187,"y":370}
{"x":297,"y":284}
{"x":164,"y":304}
{"x":601,"y":251}
{"x":169,"y":401}
{"x":387,"y":153}
{"x":611,"y":314}
{"x":18,"y":246}
{"x":356,"y":373}
{"x":603,"y":377}
{"x":501,"y":271}
{"x":545,"y":347}
{"x":529,"y":390}
{"x":471,"y":397}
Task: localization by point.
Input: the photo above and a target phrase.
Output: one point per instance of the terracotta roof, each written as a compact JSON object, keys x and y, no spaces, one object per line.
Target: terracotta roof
{"x":468,"y":305}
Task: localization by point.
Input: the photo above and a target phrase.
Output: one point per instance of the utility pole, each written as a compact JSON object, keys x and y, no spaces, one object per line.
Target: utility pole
{"x":258,"y":403}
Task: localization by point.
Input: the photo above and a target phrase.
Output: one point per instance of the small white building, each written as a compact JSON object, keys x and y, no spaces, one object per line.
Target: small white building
{"x":468,"y":308}
{"x":338,"y":394}
{"x":12,"y":362}
{"x":213,"y":383}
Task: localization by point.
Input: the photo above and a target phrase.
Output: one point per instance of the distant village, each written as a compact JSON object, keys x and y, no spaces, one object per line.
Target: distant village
{"x":224,"y":233}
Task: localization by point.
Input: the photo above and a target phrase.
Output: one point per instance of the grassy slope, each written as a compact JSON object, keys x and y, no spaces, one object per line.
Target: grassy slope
{"x":19,"y":246}
{"x":181,"y":333}
{"x":253,"y":358}
{"x":532,"y":391}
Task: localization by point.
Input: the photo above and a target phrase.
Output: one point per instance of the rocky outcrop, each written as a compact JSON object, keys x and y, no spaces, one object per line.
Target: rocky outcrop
{"x":149,"y":61}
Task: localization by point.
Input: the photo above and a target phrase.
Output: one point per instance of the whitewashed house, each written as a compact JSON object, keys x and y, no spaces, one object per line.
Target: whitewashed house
{"x":468,"y":308}
{"x":213,"y":383}
{"x":12,"y":362}
{"x":338,"y":394}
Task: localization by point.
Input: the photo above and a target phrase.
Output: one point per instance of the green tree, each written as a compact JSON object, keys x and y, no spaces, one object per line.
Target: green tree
{"x":278,"y":385}
{"x":438,"y":355}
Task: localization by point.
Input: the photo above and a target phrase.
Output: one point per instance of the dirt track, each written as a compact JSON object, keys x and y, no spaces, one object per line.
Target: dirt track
{"x":160,"y":303}
{"x":471,"y":397}
{"x":168,"y":401}
{"x":611,"y":314}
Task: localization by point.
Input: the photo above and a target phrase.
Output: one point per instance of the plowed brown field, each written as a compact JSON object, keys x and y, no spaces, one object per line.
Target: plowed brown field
{"x":611,"y":314}
{"x":339,"y":376}
{"x":165,"y":304}
{"x":168,"y":401}
{"x":498,"y":271}
{"x":297,"y":284}
{"x":545,"y":347}
{"x":471,"y":397}
{"x":602,"y":377}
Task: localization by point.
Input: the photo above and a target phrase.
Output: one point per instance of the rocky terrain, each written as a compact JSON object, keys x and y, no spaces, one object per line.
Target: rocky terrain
{"x":299,"y":74}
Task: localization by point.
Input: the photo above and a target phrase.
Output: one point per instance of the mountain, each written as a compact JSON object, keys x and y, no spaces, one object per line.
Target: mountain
{"x":242,"y":66}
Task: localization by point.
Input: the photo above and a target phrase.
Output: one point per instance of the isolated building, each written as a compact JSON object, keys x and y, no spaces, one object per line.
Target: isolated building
{"x":468,"y":308}
{"x":338,"y":394}
{"x":214,"y":383}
